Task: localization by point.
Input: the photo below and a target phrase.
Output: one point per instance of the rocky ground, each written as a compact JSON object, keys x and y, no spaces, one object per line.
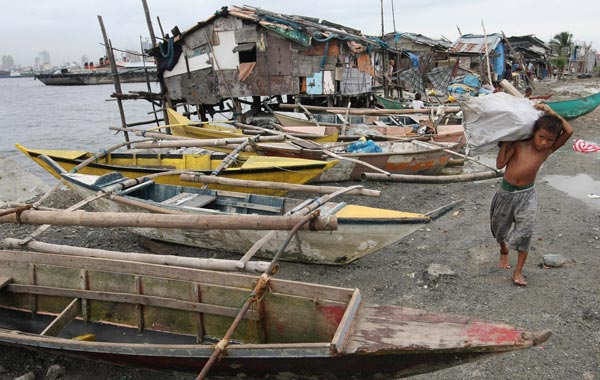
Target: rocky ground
{"x":565,"y":300}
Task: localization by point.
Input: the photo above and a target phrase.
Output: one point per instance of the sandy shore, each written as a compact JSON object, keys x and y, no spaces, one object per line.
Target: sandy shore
{"x":565,"y":300}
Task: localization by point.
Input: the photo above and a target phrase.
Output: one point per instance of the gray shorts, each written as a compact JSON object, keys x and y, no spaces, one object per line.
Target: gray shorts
{"x":512,"y":217}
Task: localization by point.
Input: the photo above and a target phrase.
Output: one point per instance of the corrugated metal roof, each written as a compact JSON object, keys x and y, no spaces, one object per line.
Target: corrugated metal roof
{"x":292,"y":25}
{"x":421,"y":39}
{"x":475,"y":44}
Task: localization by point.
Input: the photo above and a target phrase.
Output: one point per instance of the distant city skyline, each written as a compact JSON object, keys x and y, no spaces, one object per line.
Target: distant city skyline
{"x":69,"y":29}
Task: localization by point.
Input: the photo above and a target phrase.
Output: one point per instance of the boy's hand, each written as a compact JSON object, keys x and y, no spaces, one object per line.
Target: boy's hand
{"x":546,"y":108}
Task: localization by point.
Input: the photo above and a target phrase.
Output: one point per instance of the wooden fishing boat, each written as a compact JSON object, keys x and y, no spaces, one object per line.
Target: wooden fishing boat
{"x":169,"y":318}
{"x":289,"y":119}
{"x":392,"y":104}
{"x":361,"y":230}
{"x":182,"y":126}
{"x":134,"y":165}
{"x":380,"y":127}
{"x":541,"y":97}
{"x":570,"y":109}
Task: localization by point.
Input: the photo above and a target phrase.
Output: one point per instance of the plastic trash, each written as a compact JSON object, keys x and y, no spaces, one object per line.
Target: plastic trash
{"x":363,"y":146}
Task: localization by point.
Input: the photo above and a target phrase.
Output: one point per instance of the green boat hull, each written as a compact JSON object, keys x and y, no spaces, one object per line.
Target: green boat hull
{"x":570,"y":109}
{"x":389,"y":103}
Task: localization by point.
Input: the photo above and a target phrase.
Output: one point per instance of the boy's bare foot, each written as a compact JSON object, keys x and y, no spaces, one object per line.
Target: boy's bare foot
{"x":519,"y":280}
{"x":503,"y":263}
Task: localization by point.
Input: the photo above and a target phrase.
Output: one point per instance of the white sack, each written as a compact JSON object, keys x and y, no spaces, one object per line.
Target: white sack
{"x":497,"y":117}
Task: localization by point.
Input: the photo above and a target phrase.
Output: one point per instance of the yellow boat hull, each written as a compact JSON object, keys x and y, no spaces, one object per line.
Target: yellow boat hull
{"x":135,"y":165}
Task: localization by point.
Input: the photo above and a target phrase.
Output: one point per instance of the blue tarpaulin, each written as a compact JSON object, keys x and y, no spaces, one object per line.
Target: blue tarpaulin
{"x":414,"y":59}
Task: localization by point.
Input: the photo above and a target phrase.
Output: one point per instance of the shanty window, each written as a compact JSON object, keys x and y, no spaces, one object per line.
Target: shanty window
{"x":246,"y":51}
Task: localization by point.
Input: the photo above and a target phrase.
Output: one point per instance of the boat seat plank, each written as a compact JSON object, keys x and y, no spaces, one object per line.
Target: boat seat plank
{"x":249,"y":205}
{"x":189,"y":199}
{"x":63,"y":319}
{"x":4,"y":281}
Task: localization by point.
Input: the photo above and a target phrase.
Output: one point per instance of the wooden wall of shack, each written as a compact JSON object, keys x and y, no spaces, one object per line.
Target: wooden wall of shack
{"x":281,"y":66}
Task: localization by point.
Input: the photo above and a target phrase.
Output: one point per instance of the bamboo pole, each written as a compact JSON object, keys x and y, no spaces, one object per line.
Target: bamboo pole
{"x":334,"y":155}
{"x":204,"y":142}
{"x":146,"y":220}
{"x":367,"y":111}
{"x":41,"y":229}
{"x":83,"y":164}
{"x":179,"y":261}
{"x":257,"y":294}
{"x":232,"y":157}
{"x":190,"y":177}
{"x":487,"y":54}
{"x":154,"y":135}
{"x":116,"y":79}
{"x":449,"y":151}
{"x":470,"y":177}
{"x":529,"y":82}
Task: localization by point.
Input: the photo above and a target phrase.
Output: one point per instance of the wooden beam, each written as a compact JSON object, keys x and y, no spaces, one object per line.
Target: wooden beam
{"x":130,"y":299}
{"x":139,"y":308}
{"x":213,"y":278}
{"x":63,"y":319}
{"x":147,"y":220}
{"x":4,"y":281}
{"x":344,"y":327}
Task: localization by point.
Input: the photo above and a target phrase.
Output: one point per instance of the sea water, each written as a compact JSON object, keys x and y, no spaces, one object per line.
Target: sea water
{"x":64,"y":117}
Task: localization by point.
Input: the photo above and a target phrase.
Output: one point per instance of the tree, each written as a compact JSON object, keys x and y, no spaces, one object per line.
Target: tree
{"x":561,"y":40}
{"x":560,"y":63}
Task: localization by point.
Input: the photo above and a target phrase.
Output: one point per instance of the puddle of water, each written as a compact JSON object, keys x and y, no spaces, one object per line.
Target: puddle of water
{"x":581,"y":186}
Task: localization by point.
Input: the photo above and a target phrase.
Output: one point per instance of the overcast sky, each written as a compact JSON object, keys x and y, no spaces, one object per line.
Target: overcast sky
{"x":69,"y":29}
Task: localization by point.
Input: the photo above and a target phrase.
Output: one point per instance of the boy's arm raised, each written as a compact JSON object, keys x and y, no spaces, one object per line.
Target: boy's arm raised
{"x":504,"y":155}
{"x":566,"y":133}
{"x":567,"y":130}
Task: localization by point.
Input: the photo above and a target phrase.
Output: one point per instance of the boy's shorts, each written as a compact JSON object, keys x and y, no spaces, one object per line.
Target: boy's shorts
{"x":512,"y":217}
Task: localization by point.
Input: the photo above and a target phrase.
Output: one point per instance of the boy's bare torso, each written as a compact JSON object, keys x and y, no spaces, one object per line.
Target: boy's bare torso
{"x":524,"y":163}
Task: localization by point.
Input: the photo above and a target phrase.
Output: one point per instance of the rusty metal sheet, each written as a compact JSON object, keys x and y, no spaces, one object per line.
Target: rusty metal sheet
{"x":277,"y":59}
{"x":475,"y":44}
{"x":200,"y":87}
{"x":355,"y":82}
{"x":305,"y":66}
{"x":318,"y":48}
{"x":255,"y":84}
